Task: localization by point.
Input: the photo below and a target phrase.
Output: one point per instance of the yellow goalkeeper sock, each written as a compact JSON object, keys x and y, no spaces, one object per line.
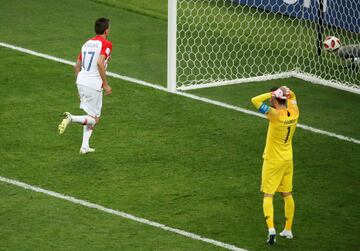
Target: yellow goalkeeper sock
{"x":268,"y":211}
{"x":289,"y":211}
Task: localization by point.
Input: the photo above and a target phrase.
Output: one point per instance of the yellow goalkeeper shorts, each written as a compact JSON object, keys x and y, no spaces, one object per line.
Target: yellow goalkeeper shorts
{"x":277,"y":176}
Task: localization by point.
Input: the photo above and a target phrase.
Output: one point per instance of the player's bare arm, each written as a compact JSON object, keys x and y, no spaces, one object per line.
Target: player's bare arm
{"x":102,"y":71}
{"x":77,"y":67}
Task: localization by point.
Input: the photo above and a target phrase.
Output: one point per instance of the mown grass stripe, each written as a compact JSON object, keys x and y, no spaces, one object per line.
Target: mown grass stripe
{"x":192,"y":96}
{"x":119,"y":213}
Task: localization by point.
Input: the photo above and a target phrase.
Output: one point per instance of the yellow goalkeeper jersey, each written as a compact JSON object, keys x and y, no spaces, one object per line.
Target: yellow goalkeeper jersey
{"x":282,"y":125}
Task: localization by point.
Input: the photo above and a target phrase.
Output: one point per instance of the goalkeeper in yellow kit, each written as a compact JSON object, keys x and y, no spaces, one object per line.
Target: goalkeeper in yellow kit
{"x":277,"y":169}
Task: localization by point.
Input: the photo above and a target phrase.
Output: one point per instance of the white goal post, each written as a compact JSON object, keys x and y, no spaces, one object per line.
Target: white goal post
{"x":222,"y":42}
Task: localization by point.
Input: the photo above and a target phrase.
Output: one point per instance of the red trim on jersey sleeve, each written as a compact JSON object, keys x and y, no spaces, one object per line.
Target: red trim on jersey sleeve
{"x":80,"y":57}
{"x":106,"y":48}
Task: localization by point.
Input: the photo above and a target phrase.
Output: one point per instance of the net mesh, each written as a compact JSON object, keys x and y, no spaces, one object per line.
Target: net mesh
{"x":224,"y":41}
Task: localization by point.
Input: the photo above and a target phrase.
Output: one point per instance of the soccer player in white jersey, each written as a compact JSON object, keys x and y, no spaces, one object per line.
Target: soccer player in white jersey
{"x":90,"y":72}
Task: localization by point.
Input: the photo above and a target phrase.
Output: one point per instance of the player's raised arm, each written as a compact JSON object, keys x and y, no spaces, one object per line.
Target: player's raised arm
{"x":259,"y":104}
{"x":281,"y":93}
{"x":292,"y":96}
{"x":102,"y":72}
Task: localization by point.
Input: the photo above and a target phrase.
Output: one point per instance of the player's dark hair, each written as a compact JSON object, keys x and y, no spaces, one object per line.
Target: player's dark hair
{"x":101,"y":24}
{"x":279,"y":100}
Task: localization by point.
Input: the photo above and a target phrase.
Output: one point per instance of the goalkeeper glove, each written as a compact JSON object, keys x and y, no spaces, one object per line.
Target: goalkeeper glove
{"x":286,"y":91}
{"x":281,"y":93}
{"x":278,"y":93}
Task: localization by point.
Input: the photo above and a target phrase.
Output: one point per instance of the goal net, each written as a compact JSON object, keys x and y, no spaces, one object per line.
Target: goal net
{"x":220,"y":42}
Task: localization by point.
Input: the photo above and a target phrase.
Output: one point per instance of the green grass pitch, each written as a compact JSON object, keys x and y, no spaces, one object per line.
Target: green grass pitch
{"x":166,"y":158}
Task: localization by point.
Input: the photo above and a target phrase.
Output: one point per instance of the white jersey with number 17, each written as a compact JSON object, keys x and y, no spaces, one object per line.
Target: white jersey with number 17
{"x":89,"y":75}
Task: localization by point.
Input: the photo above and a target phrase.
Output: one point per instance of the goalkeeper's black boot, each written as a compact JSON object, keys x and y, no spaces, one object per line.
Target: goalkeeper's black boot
{"x":271,"y":241}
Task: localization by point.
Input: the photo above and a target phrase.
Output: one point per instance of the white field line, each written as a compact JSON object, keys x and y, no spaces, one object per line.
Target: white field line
{"x":192,"y":96}
{"x":60,"y":60}
{"x":129,"y":216}
{"x":119,"y":213}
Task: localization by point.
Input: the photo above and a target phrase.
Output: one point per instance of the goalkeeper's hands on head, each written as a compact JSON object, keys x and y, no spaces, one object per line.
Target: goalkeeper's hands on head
{"x":281,"y":93}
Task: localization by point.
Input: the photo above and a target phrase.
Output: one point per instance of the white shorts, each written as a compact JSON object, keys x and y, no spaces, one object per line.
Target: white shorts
{"x":90,"y":100}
